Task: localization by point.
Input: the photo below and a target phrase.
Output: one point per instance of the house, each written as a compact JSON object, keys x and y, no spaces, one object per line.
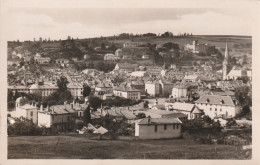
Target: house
{"x":166,"y":87}
{"x":153,"y":71}
{"x":103,"y":91}
{"x":62,"y":61}
{"x":60,"y":117}
{"x":161,"y":128}
{"x":125,"y":67}
{"x":111,"y":57}
{"x":145,"y":57}
{"x":139,"y":74}
{"x":76,"y":90}
{"x":217,"y":106}
{"x":119,"y":53}
{"x":127,"y":92}
{"x":153,"y":88}
{"x":131,"y":44}
{"x":234,"y":74}
{"x":179,"y":91}
{"x":14,"y":61}
{"x":195,"y":47}
{"x":191,"y":110}
{"x":25,"y":110}
{"x":191,"y":78}
{"x":41,"y":60}
{"x":44,"y":90}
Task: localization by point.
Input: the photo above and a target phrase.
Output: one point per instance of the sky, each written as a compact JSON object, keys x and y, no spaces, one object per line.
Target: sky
{"x":26,"y":23}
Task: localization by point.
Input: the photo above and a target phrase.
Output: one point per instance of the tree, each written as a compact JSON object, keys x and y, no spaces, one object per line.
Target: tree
{"x":10,"y":95}
{"x":94,"y":102}
{"x":167,"y":34}
{"x":243,"y":95}
{"x":103,"y":46}
{"x":86,"y":90}
{"x":22,"y":62}
{"x":170,"y":45}
{"x":245,"y":110}
{"x":62,"y":84}
{"x":87,"y":116}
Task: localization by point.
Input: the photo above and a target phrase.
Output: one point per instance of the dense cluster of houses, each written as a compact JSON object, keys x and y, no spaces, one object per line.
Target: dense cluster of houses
{"x":190,"y":93}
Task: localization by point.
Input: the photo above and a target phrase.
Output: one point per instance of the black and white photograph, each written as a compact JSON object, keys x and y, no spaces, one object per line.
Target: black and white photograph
{"x":90,"y":81}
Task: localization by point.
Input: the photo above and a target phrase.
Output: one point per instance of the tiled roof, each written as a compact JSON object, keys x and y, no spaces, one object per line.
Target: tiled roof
{"x":183,"y":106}
{"x":216,"y":100}
{"x":126,"y":89}
{"x":191,"y":77}
{"x":62,"y":109}
{"x":160,"y":112}
{"x":160,"y":121}
{"x":28,"y":106}
{"x":126,"y":65}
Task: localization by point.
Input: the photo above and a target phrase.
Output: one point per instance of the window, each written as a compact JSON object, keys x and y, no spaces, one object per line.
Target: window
{"x":177,"y":126}
{"x":173,"y":126}
{"x":210,"y":109}
{"x":155,"y":128}
{"x":31,"y":113}
{"x":165,"y":127}
{"x":220,"y":110}
{"x":216,"y":109}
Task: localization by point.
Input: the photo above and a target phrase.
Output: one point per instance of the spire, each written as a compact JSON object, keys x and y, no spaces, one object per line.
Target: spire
{"x":226,"y":51}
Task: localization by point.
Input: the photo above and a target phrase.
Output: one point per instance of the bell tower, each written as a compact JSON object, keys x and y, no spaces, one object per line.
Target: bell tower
{"x":225,"y":63}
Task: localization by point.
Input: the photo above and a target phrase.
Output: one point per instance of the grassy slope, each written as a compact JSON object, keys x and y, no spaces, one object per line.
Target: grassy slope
{"x":81,"y":147}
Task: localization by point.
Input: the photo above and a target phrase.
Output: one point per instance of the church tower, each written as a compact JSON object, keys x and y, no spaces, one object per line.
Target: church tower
{"x":225,"y":63}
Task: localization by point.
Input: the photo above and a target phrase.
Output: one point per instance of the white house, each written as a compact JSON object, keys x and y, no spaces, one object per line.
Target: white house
{"x":179,"y":91}
{"x":153,"y":88}
{"x":25,"y":110}
{"x":111,"y":57}
{"x":191,"y":78}
{"x":234,"y":74}
{"x":61,"y":117}
{"x":139,"y":74}
{"x":160,"y":128}
{"x":217,"y":106}
{"x":127,"y":92}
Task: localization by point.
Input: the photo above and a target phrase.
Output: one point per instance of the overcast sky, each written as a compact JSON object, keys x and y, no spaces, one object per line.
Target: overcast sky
{"x":56,"y":23}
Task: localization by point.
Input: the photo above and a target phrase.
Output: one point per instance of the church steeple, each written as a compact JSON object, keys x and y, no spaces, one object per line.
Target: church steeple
{"x":226,"y":51}
{"x":225,"y":63}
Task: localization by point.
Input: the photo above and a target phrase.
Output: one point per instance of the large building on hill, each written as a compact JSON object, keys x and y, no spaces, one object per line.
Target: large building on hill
{"x":45,"y":90}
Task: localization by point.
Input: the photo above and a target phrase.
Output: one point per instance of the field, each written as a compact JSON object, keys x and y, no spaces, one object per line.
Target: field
{"x":82,"y":147}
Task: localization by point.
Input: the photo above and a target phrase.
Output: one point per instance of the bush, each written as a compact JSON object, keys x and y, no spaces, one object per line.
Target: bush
{"x":125,"y":129}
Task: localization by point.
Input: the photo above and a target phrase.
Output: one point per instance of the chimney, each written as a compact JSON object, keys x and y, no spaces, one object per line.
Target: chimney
{"x":71,"y":105}
{"x":41,"y":107}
